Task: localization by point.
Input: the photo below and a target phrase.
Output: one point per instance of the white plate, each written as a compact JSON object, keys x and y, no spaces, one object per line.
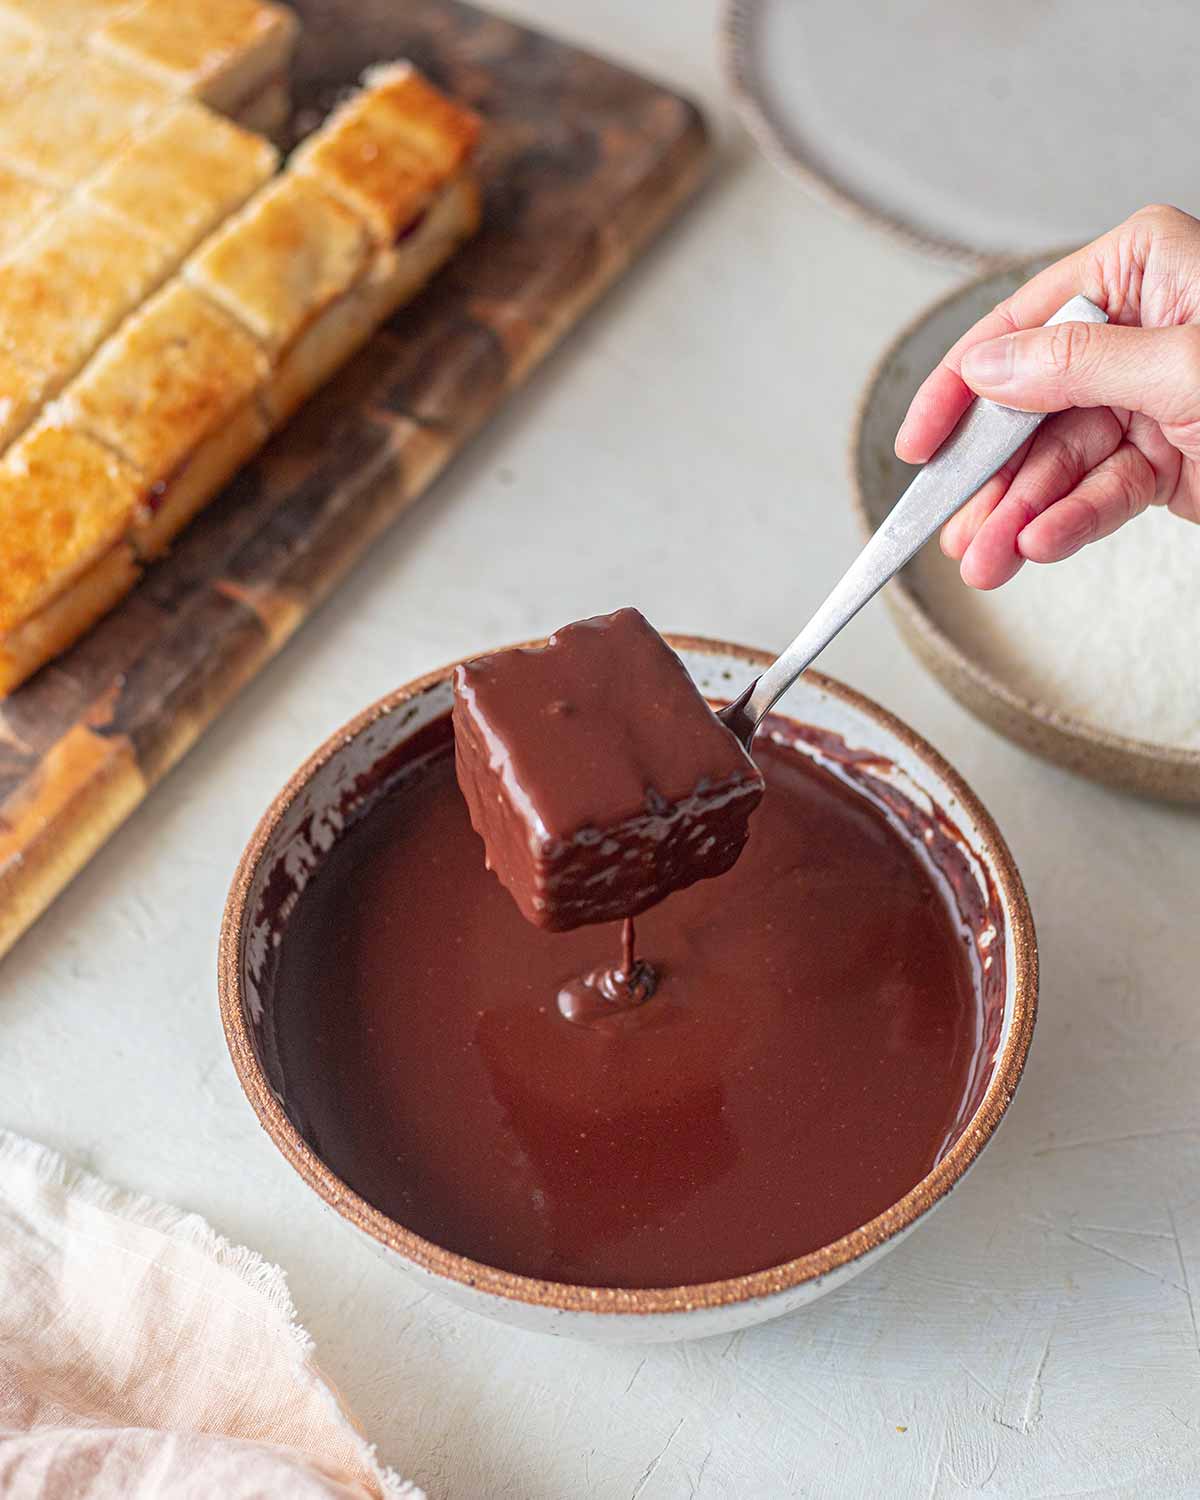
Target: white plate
{"x":976,"y":130}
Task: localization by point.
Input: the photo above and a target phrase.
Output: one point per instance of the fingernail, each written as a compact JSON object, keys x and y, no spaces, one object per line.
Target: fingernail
{"x":989,"y":364}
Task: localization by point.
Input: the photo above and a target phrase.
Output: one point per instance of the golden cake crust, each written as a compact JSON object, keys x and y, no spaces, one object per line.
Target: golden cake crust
{"x":389,"y":148}
{"x":65,"y":20}
{"x":221,"y":51}
{"x":70,"y":284}
{"x":276,"y":265}
{"x":64,"y":501}
{"x":24,"y":204}
{"x":23,"y":390}
{"x":438,"y":126}
{"x":173,"y":374}
{"x":183,"y":175}
{"x":66,"y":617}
{"x":71,"y":114}
{"x":386,"y":185}
{"x":396,"y":274}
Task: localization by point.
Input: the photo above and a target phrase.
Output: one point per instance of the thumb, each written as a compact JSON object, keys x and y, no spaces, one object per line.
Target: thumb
{"x":1151,"y":370}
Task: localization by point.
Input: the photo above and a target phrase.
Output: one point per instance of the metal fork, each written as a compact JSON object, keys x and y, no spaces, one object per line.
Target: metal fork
{"x":986,"y":437}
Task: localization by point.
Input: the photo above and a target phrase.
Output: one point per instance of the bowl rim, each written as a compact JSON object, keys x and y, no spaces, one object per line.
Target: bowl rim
{"x":1125,"y":760}
{"x":567,"y":1297}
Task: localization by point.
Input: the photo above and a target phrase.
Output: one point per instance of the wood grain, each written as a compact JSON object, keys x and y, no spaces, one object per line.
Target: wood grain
{"x":582,"y":162}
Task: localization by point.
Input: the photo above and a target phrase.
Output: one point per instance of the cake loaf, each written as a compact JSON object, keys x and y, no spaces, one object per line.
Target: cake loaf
{"x":171,"y":302}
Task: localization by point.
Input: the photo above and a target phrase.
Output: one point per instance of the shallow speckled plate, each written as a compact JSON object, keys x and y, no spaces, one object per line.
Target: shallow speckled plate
{"x":940,"y":638}
{"x":973,"y":131}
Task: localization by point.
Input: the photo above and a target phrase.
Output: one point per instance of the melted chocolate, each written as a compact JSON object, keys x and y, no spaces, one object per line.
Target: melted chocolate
{"x":812,"y":1049}
{"x":596,"y":774}
{"x":601,"y":997}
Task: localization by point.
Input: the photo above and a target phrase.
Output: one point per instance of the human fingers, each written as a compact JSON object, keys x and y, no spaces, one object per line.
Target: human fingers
{"x":1108,"y":270}
{"x":1065,"y":449}
{"x":1185,"y":502}
{"x":1113,"y":493}
{"x":943,"y":395}
{"x":1155,"y":371}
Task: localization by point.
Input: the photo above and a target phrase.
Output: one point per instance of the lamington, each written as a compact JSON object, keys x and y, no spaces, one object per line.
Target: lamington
{"x":596,"y":774}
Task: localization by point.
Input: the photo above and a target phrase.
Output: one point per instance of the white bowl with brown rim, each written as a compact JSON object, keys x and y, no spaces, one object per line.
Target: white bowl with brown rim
{"x":936,"y":635}
{"x":895,"y":768}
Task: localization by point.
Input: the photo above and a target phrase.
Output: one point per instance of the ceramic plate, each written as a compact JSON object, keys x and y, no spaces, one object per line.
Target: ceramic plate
{"x":954,"y":630}
{"x":975,"y":130}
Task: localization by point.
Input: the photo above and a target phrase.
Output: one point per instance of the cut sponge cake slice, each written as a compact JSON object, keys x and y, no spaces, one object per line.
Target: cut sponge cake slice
{"x":387,"y":150}
{"x":182,"y":176}
{"x":279,"y":263}
{"x":22,"y":393}
{"x":24,"y":61}
{"x":72,"y":113}
{"x":66,"y":503}
{"x":168,"y":397}
{"x":65,"y":21}
{"x":400,"y":270}
{"x":65,"y":500}
{"x":175,"y":394}
{"x":396,"y":274}
{"x":437,"y":126}
{"x":225,"y":52}
{"x":61,"y":623}
{"x":24,"y":204}
{"x":69,"y":285}
{"x":232,"y":54}
{"x":393,"y":154}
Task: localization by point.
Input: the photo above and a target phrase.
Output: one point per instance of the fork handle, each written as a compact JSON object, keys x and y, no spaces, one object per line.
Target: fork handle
{"x":985,"y":439}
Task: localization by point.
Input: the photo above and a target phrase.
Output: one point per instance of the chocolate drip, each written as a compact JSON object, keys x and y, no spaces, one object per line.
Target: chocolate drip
{"x":603,"y":998}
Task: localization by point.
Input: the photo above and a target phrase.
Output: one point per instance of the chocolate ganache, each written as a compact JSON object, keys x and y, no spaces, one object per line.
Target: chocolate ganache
{"x":811,"y":1049}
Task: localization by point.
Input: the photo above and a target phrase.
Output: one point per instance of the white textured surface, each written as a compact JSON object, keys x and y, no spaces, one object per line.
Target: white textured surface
{"x":685,"y":452}
{"x":1132,"y":667}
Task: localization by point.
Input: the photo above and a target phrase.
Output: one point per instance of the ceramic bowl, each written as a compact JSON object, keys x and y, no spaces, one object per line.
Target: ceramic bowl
{"x":878,"y":477}
{"x":898,"y":769}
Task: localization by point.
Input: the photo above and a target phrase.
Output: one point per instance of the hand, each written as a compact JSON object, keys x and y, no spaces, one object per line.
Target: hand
{"x":1128,"y":394}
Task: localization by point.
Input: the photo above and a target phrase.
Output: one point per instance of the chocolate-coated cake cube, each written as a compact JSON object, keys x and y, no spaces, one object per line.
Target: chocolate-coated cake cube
{"x":596,"y":774}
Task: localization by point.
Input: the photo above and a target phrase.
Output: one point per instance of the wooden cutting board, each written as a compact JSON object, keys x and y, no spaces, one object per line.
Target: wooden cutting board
{"x":582,"y":163}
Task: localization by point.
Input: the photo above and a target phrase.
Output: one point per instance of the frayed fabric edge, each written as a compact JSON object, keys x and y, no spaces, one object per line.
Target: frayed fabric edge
{"x":50,"y":1168}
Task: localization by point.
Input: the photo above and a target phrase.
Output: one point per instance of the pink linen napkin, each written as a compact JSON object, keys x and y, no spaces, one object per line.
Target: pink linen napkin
{"x":144,"y":1357}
